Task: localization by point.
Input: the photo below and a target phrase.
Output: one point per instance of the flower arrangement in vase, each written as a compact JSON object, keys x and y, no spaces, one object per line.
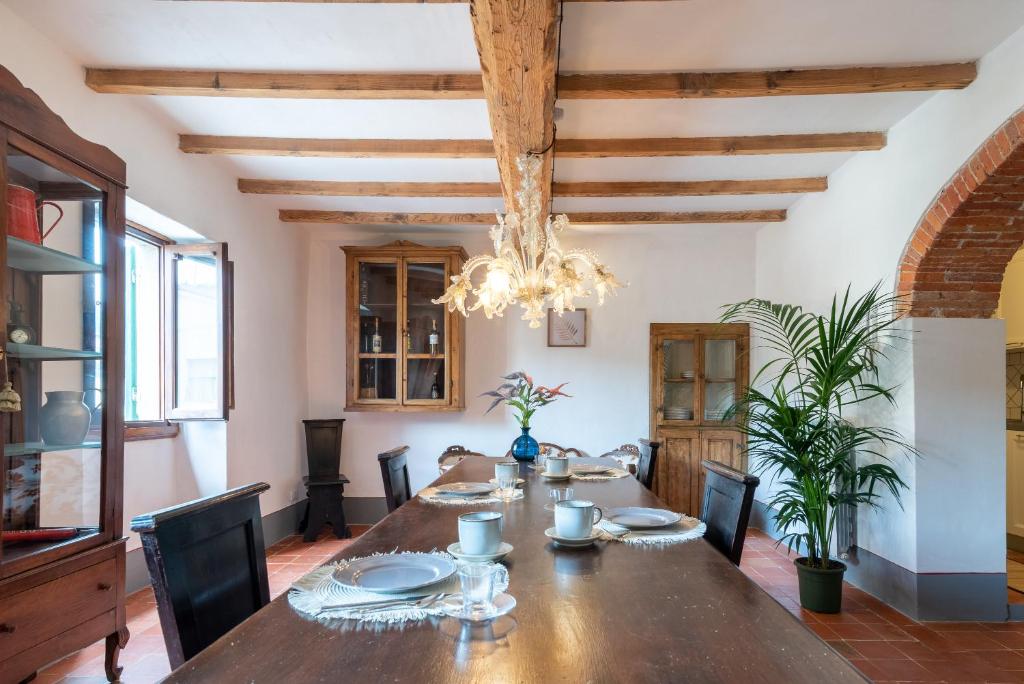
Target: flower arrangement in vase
{"x":519,"y":392}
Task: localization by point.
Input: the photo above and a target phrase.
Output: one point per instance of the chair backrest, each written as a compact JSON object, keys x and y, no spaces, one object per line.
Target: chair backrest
{"x":728,"y":498}
{"x":627,"y":455}
{"x":648,"y":462}
{"x":394,"y":469}
{"x":208,"y":567}
{"x":453,"y":455}
{"x":563,"y":451}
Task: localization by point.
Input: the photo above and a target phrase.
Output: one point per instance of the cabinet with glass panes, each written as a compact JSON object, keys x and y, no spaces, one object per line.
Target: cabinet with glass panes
{"x":61,"y":396}
{"x":404,"y":352}
{"x":698,"y":372}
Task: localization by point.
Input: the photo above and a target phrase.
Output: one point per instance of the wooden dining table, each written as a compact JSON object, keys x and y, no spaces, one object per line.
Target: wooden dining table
{"x":614,"y":612}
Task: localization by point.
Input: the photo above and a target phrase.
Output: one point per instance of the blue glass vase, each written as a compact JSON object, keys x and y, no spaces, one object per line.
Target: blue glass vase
{"x":525,"y":448}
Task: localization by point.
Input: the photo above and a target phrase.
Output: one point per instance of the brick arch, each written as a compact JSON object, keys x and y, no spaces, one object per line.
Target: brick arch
{"x":953,"y":264}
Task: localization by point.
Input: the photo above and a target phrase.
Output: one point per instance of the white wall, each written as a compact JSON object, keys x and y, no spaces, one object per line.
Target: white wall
{"x":262,"y":440}
{"x":855,"y":234}
{"x":676,"y":274}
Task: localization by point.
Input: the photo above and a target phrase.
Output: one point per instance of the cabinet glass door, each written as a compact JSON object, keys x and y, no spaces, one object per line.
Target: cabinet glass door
{"x":54,"y":337}
{"x":679,"y":376}
{"x":719,"y":378}
{"x":426,"y":337}
{"x":378,"y":330}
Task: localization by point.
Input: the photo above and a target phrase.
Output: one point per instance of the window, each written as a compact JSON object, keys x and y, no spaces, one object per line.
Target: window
{"x":178,"y":316}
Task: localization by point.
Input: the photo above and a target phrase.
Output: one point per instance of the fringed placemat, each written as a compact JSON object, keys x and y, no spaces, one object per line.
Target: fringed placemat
{"x":319,"y":596}
{"x":613,"y":474}
{"x":685,"y":530}
{"x":431,"y":495}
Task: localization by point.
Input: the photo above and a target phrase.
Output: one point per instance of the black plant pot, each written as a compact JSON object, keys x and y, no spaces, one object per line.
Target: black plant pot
{"x":323,"y":448}
{"x":821,"y":589}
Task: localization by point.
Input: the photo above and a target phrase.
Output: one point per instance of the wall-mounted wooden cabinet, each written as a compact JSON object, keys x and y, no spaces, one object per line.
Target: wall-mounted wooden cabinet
{"x":404,"y":352}
{"x":697,"y":372}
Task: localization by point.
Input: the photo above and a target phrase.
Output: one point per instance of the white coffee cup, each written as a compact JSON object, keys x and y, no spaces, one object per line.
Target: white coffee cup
{"x":506,"y":469}
{"x":556,"y":465}
{"x":575,"y":518}
{"x":480,"y":532}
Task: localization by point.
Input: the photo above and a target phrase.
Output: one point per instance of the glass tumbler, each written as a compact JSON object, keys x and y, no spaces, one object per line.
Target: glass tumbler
{"x":477,"y":581}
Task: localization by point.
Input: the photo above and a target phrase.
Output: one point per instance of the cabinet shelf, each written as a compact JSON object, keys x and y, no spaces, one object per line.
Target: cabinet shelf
{"x":438,"y":357}
{"x":28,"y":256}
{"x":34,"y":352}
{"x":23,"y":448}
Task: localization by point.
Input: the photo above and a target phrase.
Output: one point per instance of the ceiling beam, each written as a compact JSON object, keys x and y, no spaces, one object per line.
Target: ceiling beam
{"x":517,"y":68}
{"x":518,"y":46}
{"x":334,"y":147}
{"x":718,"y":146}
{"x":765,"y":83}
{"x":581,"y":218}
{"x":559,"y":189}
{"x":579,"y":148}
{"x":361,"y":86}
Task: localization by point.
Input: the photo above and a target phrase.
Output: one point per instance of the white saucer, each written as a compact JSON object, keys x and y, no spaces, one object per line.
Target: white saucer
{"x":549,"y":476}
{"x":519,"y":481}
{"x":452,"y":606}
{"x":503,"y":550}
{"x":571,"y":543}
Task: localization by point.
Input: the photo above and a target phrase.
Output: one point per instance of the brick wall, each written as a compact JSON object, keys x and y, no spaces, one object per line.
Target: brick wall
{"x":953,"y":264}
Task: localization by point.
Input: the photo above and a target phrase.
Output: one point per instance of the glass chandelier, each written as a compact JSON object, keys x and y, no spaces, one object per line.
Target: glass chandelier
{"x":529,"y":266}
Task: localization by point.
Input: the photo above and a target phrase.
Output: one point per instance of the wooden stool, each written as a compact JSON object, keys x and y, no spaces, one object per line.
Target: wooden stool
{"x":324,"y":499}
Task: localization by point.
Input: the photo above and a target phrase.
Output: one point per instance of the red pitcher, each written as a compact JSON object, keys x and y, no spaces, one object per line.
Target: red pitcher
{"x":23,"y":215}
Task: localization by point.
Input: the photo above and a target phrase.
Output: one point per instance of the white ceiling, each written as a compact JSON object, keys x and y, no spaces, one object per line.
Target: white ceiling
{"x":612,"y":36}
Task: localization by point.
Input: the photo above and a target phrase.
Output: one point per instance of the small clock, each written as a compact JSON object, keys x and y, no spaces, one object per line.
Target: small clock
{"x":19,"y":334}
{"x":18,"y":331}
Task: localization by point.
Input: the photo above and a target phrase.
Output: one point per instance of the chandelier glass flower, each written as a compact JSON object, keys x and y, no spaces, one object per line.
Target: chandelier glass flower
{"x":529,"y":266}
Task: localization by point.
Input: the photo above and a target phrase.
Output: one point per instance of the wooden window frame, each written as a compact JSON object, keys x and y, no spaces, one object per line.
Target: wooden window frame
{"x":165,"y":427}
{"x":142,"y":430}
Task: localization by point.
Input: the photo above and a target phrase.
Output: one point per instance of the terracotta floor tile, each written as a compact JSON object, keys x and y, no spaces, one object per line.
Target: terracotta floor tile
{"x":904,"y":671}
{"x":875,"y":650}
{"x":854,"y":632}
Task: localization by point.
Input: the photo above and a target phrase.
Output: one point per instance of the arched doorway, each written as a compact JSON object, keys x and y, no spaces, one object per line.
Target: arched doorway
{"x":955,"y":265}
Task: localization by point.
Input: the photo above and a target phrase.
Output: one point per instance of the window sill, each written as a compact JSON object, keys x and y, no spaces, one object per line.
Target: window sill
{"x":138,"y":432}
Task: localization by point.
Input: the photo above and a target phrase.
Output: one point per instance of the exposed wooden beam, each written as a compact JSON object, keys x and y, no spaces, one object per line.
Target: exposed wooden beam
{"x":334,"y":147}
{"x":593,"y":218}
{"x":362,"y":86}
{"x":689,"y":188}
{"x":764,"y":83}
{"x":498,"y":61}
{"x":367,"y":189}
{"x":559,"y":189}
{"x":638,"y":217}
{"x":580,"y":148}
{"x":517,"y":42}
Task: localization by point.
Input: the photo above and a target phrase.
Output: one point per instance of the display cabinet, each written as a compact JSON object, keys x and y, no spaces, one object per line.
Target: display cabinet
{"x":62,"y":553}
{"x":404,"y":352}
{"x":698,"y":371}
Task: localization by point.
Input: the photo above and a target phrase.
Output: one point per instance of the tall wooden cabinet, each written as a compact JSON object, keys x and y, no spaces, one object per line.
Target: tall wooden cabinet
{"x":404,"y":352}
{"x":697,"y":373}
{"x":62,"y":555}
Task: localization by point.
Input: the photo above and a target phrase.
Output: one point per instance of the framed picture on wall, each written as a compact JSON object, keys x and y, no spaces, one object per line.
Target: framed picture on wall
{"x":567,"y":330}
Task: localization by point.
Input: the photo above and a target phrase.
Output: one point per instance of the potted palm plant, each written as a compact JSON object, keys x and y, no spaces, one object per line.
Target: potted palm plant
{"x":792,"y":415}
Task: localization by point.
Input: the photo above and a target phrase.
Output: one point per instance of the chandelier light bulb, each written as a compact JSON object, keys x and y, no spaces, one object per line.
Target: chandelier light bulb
{"x":529,"y":267}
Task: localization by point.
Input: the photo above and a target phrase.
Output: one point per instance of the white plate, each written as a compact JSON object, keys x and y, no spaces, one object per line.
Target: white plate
{"x":503,"y":550}
{"x":519,"y":481}
{"x":637,"y":518}
{"x":550,"y":476}
{"x":453,"y":607}
{"x":571,"y":542}
{"x":464,"y":488}
{"x":587,"y":469}
{"x":395,"y":573}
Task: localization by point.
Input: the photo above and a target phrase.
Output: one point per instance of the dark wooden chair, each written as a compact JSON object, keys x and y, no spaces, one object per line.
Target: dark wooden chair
{"x":728,"y":498}
{"x":452,"y":456}
{"x":394,"y":469}
{"x":325,"y":484}
{"x":208,"y":567}
{"x":647,"y":465}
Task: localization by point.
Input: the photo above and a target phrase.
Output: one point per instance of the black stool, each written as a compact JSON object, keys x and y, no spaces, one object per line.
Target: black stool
{"x":325,"y":486}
